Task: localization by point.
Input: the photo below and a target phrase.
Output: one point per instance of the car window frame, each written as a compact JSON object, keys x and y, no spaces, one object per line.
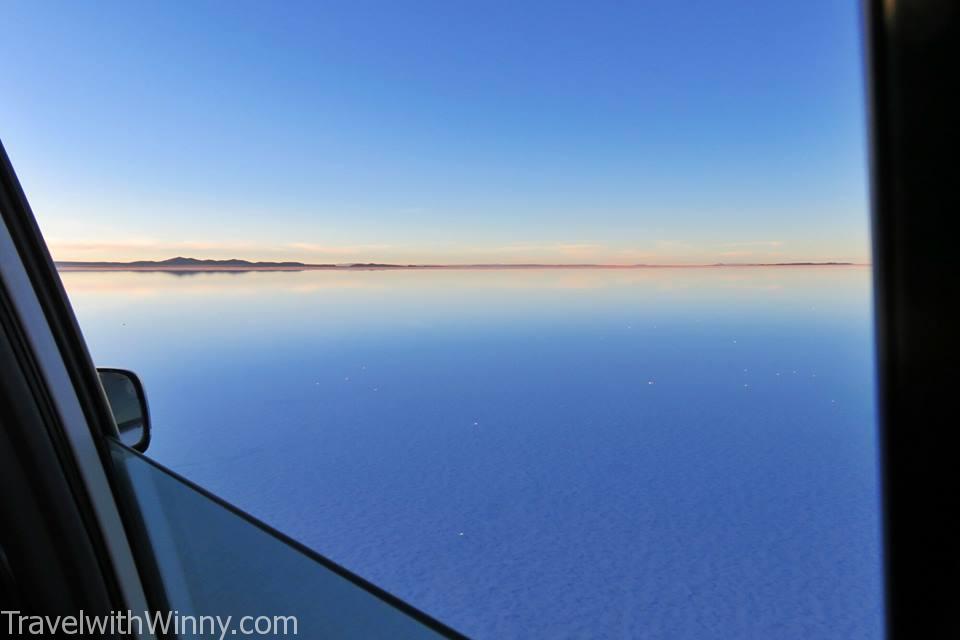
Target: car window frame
{"x":33,"y":307}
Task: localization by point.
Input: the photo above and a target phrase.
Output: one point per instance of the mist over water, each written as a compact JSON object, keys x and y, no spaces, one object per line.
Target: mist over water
{"x":678,"y":453}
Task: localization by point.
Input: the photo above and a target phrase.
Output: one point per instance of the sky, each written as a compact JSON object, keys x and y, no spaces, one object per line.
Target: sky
{"x":440,"y":132}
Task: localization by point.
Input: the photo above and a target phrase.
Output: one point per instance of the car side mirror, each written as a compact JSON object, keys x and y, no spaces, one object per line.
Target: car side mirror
{"x":129,"y":406}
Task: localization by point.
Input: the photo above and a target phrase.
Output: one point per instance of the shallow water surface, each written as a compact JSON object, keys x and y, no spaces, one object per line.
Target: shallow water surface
{"x":682,"y":453}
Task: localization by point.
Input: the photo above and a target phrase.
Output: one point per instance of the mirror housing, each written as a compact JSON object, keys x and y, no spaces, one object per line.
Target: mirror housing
{"x":128,"y":403}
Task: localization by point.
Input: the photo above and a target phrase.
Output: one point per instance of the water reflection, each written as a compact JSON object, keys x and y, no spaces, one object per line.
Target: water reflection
{"x":619,"y":453}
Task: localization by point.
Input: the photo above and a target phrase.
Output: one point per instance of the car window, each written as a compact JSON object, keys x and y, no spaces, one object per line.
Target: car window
{"x":548,"y":321}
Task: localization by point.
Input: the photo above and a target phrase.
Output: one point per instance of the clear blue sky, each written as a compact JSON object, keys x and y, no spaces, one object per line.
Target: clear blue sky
{"x":440,"y":131}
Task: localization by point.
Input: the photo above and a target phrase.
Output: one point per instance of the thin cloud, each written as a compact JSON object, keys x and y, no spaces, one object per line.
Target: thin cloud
{"x":755,"y":243}
{"x":672,"y":245}
{"x":140,"y":244}
{"x":579,"y":250}
{"x":567,"y":248}
{"x":633,"y":255}
{"x":337,"y":250}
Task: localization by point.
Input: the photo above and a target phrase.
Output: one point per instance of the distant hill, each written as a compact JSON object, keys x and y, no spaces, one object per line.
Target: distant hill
{"x":380,"y":265}
{"x":194,"y":262}
{"x":181,"y":263}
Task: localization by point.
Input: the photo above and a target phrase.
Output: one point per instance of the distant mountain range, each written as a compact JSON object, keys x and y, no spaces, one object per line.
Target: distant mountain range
{"x":179,"y":262}
{"x":234,"y":264}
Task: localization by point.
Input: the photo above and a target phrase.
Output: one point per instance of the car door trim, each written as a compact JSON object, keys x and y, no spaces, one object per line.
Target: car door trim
{"x":49,"y":360}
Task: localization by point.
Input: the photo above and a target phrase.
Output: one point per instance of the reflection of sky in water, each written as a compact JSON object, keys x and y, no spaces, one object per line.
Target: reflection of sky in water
{"x":662,"y":452}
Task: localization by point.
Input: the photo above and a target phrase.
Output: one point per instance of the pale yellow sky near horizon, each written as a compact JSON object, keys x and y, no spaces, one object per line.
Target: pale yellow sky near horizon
{"x":656,"y":252}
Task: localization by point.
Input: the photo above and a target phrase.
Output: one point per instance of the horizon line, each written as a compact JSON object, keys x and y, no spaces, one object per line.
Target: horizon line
{"x":237,"y":264}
